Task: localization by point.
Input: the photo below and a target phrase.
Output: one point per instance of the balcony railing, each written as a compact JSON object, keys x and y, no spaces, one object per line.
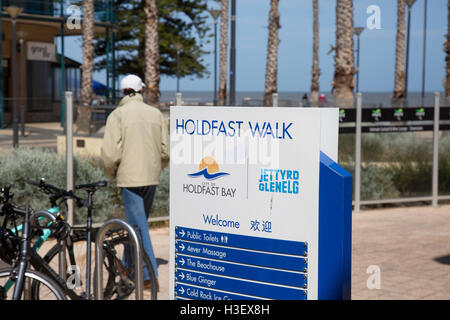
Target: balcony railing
{"x":103,"y":9}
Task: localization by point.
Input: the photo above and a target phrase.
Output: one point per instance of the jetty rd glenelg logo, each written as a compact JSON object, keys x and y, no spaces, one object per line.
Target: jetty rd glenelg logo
{"x":209,"y":169}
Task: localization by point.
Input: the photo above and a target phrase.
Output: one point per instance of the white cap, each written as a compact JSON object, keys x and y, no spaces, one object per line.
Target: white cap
{"x":131,"y":81}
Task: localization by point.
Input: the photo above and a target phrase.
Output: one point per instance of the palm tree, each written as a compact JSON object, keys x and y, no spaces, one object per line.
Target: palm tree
{"x":272,"y":53}
{"x":447,"y":58}
{"x":315,"y":67}
{"x":344,"y":69}
{"x":83,"y":123}
{"x":223,"y":72}
{"x":151,"y":92}
{"x":399,"y":82}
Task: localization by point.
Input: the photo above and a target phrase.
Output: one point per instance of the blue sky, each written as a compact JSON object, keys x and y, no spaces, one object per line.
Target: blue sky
{"x":295,"y":50}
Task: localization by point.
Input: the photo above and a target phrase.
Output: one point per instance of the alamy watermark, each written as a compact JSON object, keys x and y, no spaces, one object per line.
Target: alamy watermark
{"x":74,"y":20}
{"x":374,"y":280}
{"x":373,"y":22}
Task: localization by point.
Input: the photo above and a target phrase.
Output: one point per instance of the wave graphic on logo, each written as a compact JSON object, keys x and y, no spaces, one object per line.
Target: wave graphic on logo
{"x":207,"y":175}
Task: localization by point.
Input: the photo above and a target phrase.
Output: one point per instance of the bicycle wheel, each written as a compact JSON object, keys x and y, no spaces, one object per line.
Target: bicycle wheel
{"x":118,"y":282}
{"x":49,"y":289}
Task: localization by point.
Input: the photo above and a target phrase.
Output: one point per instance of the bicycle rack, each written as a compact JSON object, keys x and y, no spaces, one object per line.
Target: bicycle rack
{"x":136,"y":247}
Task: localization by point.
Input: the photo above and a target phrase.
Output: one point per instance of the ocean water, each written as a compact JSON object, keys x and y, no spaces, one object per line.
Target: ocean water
{"x":370,"y":99}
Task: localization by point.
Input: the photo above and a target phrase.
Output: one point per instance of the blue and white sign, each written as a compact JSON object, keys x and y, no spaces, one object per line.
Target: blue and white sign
{"x":259,"y":209}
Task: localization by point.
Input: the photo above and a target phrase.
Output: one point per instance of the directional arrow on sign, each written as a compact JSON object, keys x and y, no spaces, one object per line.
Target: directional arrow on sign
{"x":181,"y":290}
{"x":182,"y":276}
{"x":182,"y":233}
{"x":181,"y":261}
{"x":182,"y":247}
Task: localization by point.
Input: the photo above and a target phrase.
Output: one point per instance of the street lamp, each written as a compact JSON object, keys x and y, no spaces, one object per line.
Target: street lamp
{"x":409,"y":3}
{"x":215,"y":14}
{"x":357,"y":31}
{"x":22,"y":35}
{"x":178,"y":47}
{"x":14,"y":12}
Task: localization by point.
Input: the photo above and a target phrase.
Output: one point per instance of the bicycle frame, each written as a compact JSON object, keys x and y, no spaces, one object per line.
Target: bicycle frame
{"x":39,"y":242}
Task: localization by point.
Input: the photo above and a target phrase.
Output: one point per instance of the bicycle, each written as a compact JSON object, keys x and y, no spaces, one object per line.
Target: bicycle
{"x":119,"y":281}
{"x":14,"y":250}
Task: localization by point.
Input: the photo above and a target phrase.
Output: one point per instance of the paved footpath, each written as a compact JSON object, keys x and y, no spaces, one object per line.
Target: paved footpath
{"x":409,"y":248}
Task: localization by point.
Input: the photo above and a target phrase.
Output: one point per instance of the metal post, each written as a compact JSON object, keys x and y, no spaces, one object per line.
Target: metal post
{"x":108,"y":64}
{"x":407,"y":54}
{"x":358,"y":153}
{"x":215,"y":62}
{"x":357,"y":63}
{"x":233,"y":54}
{"x":178,"y":70}
{"x":63,"y":68}
{"x":22,"y":85}
{"x":178,"y":100}
{"x":136,"y":248}
{"x":274,"y":100}
{"x":435,"y":178}
{"x":424,"y":51}
{"x":14,"y":83}
{"x":69,"y":153}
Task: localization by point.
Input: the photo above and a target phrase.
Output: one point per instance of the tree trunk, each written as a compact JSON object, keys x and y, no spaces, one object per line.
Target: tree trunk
{"x":151,"y":91}
{"x":272,"y":53}
{"x":315,"y":67}
{"x":344,"y":71}
{"x":83,"y":123}
{"x":223,"y":70}
{"x":447,"y":59}
{"x":399,"y":82}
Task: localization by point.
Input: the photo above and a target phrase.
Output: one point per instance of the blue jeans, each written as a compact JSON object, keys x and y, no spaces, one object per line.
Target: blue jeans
{"x":138,"y":202}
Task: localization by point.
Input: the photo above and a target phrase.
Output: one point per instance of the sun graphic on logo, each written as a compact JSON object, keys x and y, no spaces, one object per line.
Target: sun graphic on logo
{"x":210,"y":164}
{"x":208,"y":169}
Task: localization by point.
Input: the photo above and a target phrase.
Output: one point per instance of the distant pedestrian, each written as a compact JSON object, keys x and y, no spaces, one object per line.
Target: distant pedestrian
{"x":322,"y":100}
{"x":305,"y":101}
{"x":135,"y":149}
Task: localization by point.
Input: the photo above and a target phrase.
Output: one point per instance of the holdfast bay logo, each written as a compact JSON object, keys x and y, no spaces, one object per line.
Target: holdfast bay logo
{"x":209,"y":170}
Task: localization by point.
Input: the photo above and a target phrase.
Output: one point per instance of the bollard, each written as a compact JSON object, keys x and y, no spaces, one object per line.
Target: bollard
{"x":275,"y":100}
{"x":435,"y":176}
{"x":136,"y":247}
{"x":178,"y":101}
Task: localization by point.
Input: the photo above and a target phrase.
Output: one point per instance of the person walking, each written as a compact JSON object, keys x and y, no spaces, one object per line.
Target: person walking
{"x":305,"y":103}
{"x":134,"y":151}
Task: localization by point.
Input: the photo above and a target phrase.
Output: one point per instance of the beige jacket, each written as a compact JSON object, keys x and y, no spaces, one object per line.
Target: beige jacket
{"x":136,"y":143}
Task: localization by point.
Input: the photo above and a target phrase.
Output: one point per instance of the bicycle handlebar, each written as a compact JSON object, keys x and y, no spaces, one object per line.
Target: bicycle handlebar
{"x":57,"y":192}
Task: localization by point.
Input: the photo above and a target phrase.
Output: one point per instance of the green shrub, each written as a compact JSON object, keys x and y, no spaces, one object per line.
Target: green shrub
{"x":20,"y":165}
{"x":160,"y":205}
{"x":397,"y":164}
{"x":444,"y":165}
{"x":376,"y":182}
